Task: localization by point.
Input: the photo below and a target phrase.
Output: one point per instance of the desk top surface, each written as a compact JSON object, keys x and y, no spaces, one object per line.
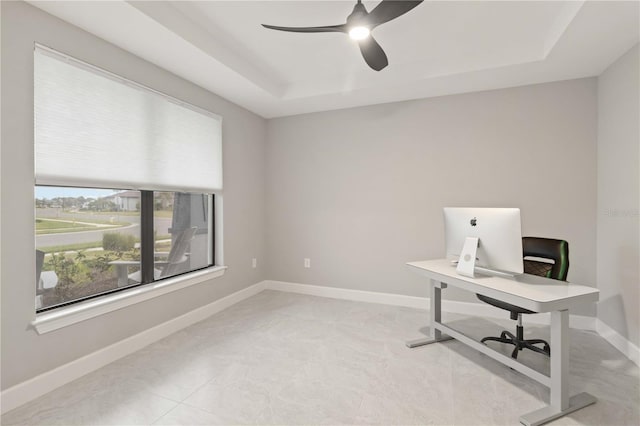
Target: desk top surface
{"x":531,"y":292}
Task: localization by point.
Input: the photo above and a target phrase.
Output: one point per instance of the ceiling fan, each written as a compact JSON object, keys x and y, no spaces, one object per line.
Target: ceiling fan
{"x":359,"y":25}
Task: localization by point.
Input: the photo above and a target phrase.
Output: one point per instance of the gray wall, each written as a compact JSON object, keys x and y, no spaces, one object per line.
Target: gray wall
{"x":26,"y":354}
{"x":619,"y":196}
{"x":361,"y":191}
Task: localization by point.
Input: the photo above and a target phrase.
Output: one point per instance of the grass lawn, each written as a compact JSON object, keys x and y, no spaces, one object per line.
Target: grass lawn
{"x":71,"y":247}
{"x":156,"y":213}
{"x":45,"y":224}
{"x":98,"y":245}
{"x":56,"y":226}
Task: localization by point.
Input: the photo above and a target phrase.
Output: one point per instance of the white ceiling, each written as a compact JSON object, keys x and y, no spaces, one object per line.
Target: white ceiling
{"x":438,"y":48}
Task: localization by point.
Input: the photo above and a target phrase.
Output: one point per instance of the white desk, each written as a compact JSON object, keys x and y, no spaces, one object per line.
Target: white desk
{"x":531,"y":292}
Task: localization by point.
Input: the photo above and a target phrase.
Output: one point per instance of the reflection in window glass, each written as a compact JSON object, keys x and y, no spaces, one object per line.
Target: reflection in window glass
{"x":87,"y":242}
{"x":181,"y":233}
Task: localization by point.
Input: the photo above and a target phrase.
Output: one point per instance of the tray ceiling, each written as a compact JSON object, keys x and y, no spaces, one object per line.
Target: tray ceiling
{"x":438,"y":48}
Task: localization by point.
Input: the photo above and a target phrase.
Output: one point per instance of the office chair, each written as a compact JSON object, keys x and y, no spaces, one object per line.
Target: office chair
{"x":556,"y":251}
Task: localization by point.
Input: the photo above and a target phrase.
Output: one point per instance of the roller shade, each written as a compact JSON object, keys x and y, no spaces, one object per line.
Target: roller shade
{"x":94,"y":129}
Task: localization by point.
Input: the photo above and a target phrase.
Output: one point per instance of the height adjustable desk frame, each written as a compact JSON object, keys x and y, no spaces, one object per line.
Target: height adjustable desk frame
{"x":531,"y":292}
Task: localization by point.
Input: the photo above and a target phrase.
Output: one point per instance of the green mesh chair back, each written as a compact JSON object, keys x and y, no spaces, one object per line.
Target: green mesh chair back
{"x":546,"y":248}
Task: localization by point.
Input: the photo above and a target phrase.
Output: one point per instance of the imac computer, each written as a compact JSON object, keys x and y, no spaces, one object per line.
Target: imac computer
{"x":484,"y":240}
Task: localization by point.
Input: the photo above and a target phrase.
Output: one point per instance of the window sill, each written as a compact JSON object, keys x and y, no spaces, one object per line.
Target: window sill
{"x":50,"y":321}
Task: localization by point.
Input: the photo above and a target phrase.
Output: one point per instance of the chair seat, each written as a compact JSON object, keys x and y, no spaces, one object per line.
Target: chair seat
{"x":503,"y":305}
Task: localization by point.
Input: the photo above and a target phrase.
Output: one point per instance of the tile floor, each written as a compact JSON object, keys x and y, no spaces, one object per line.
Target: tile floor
{"x":285,"y":358}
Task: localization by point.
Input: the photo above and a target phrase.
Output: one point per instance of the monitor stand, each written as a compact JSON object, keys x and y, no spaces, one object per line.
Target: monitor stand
{"x":467,"y":261}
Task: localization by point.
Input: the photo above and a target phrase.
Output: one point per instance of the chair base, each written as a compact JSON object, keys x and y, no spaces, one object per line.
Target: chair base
{"x":520,"y":342}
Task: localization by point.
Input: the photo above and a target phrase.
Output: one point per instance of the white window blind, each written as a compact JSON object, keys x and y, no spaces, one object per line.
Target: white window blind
{"x":94,"y":129}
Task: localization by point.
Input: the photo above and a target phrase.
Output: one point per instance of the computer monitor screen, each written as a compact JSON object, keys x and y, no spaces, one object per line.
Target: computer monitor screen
{"x":499,"y":239}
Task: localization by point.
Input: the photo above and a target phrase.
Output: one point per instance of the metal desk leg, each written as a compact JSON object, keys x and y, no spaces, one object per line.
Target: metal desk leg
{"x":560,"y":404}
{"x":436,"y":317}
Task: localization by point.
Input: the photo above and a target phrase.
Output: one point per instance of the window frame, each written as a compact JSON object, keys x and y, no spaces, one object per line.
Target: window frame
{"x":147,"y":249}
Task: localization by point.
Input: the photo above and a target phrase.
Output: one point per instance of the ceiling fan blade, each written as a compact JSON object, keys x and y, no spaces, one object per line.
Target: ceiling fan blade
{"x":373,"y":54}
{"x":387,"y":10}
{"x":325,"y":29}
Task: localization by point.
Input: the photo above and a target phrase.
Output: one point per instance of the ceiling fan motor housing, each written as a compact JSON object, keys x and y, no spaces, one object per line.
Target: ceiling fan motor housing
{"x":358,"y":16}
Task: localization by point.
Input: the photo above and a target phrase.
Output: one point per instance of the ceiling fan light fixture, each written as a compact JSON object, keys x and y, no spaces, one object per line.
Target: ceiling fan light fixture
{"x":359,"y":33}
{"x":359,"y":25}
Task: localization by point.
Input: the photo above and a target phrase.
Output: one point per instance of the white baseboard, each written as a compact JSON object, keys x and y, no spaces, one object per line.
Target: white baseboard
{"x":46,"y":382}
{"x":619,"y":342}
{"x":452,"y":306}
{"x":348,"y":294}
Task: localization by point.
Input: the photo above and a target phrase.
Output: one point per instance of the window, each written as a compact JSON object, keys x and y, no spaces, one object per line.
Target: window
{"x":89,"y":242}
{"x":125,"y":182}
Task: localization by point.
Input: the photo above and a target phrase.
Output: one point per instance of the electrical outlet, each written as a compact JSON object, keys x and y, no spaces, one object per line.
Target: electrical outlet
{"x":307,"y":262}
{"x":254,"y":263}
